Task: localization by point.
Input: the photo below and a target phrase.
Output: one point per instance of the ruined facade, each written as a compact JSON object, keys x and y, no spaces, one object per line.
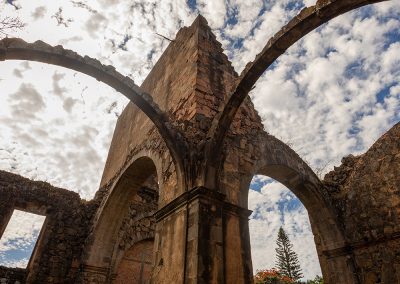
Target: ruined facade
{"x":172,"y":203}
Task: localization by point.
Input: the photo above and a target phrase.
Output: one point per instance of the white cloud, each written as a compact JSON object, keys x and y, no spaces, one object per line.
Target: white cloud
{"x":39,"y":12}
{"x":60,"y":129}
{"x":214,"y":11}
{"x":325,"y":87}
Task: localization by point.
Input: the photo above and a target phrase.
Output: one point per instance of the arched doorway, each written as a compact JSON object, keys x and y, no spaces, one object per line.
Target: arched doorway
{"x":123,"y":233}
{"x":279,"y":162}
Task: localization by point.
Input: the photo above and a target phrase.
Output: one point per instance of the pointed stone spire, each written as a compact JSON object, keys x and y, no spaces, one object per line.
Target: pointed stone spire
{"x":193,"y":75}
{"x":215,"y":74}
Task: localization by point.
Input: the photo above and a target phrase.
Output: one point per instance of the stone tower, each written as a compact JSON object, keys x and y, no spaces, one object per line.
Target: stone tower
{"x":190,"y":82}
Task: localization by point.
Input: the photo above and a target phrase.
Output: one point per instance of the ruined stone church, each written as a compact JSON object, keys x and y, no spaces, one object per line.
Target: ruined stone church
{"x":172,"y":203}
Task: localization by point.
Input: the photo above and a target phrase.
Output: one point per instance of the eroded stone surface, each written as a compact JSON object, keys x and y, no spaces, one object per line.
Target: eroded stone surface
{"x":366,"y":191}
{"x":58,"y":251}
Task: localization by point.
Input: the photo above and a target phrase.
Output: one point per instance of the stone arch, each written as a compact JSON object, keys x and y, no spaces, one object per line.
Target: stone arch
{"x":280,"y":162}
{"x":306,"y":21}
{"x":18,"y":49}
{"x":101,"y":253}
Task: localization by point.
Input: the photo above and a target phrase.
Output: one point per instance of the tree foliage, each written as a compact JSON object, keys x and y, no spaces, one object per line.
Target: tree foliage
{"x":271,"y":276}
{"x":287,"y":261}
{"x":317,"y":280}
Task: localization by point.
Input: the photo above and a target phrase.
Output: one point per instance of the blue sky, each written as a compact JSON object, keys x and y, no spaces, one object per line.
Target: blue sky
{"x":331,"y":94}
{"x":19,"y":255}
{"x":18,"y":247}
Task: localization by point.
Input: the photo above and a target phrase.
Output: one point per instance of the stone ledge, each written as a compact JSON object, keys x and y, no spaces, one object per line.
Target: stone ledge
{"x":204,"y":193}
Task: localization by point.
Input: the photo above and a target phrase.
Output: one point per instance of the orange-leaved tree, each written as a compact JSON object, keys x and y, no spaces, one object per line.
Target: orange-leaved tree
{"x":271,"y":276}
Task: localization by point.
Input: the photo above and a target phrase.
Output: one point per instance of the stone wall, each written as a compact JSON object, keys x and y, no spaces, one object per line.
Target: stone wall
{"x":139,"y":223}
{"x":137,"y":226}
{"x":170,"y":87}
{"x":136,"y":265}
{"x":57,"y":254}
{"x":12,"y":275}
{"x":366,"y":192}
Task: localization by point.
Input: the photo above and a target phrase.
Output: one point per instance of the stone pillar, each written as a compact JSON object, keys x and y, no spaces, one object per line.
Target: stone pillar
{"x":6,"y":210}
{"x":214,"y":241}
{"x":237,"y":264}
{"x":205,"y":253}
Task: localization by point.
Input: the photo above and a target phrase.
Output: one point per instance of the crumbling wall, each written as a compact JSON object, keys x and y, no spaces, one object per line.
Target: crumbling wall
{"x":56,"y":258}
{"x":12,"y":275}
{"x":139,"y":221}
{"x":366,"y":192}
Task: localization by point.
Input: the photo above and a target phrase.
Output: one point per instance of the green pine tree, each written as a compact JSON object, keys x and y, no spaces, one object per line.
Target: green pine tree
{"x":287,"y":261}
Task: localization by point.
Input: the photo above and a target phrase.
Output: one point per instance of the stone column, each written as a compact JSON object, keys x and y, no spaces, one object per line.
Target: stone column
{"x":6,"y":210}
{"x":205,"y":253}
{"x":237,"y":264}
{"x":214,"y":240}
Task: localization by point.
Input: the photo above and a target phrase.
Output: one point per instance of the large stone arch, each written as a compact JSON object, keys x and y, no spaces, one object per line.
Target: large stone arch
{"x":263,"y":154}
{"x":18,"y":49}
{"x":306,"y":21}
{"x":100,"y":254}
{"x":280,"y":162}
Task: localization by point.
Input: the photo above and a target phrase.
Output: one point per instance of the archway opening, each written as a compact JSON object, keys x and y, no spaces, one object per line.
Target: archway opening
{"x":274,"y":206}
{"x":123,"y":234}
{"x":135,"y":244}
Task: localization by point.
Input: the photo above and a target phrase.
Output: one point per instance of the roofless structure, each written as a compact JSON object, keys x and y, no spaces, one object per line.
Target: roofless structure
{"x":172,"y":203}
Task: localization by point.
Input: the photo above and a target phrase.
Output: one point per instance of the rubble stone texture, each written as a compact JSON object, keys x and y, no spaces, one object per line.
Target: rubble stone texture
{"x":172,"y":203}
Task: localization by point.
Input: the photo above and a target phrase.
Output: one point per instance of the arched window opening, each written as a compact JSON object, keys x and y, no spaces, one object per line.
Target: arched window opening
{"x":274,"y":206}
{"x":17,"y":244}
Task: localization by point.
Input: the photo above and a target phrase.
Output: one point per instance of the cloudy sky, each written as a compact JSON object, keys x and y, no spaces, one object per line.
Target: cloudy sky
{"x":333,"y":93}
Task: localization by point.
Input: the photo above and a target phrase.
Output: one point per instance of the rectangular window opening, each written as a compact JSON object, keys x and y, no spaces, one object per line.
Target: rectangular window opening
{"x":19,"y":239}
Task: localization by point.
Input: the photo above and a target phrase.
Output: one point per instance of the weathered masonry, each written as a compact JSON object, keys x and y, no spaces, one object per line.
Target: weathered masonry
{"x":172,"y":204}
